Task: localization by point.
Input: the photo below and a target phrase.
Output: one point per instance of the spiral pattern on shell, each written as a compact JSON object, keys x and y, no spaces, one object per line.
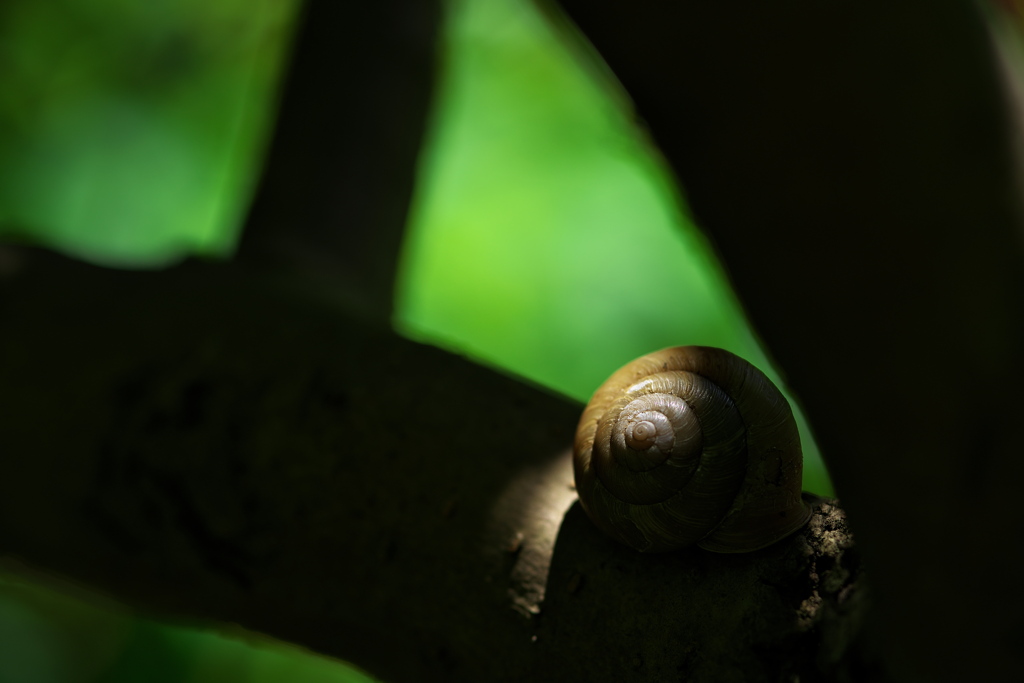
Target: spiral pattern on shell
{"x":689,"y":445}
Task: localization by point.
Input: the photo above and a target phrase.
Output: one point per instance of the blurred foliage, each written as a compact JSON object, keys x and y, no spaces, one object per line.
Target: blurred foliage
{"x":130,"y":131}
{"x":52,"y":637}
{"x":547,"y":238}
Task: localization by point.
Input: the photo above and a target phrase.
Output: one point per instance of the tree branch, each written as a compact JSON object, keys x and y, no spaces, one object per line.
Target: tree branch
{"x":334,"y":194}
{"x":211,"y":443}
{"x":852,"y":164}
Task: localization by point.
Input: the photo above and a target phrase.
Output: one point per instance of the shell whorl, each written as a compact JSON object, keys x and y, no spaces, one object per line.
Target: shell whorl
{"x":688,"y":445}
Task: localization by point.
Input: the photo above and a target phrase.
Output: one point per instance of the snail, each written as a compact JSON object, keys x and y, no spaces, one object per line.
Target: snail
{"x":690,"y":445}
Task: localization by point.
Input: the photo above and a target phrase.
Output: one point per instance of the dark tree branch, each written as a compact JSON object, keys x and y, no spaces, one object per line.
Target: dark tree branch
{"x":333,"y":198}
{"x":852,"y":163}
{"x":218,"y":445}
{"x":214,"y":444}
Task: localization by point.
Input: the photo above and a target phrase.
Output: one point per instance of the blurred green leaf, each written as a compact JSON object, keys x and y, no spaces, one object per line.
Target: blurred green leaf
{"x":130,"y":133}
{"x":51,"y":637}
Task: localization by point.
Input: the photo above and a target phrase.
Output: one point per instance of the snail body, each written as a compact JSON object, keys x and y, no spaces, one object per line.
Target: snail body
{"x":690,"y":445}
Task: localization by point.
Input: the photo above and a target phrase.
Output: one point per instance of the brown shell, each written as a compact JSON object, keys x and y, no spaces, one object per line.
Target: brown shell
{"x":690,"y":444}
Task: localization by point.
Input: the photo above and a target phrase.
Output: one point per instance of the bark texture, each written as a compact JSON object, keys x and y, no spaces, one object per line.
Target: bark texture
{"x":791,"y":612}
{"x":220,"y":446}
{"x":206,"y":443}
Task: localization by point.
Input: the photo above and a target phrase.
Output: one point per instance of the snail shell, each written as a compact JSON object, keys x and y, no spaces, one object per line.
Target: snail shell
{"x":687,"y":445}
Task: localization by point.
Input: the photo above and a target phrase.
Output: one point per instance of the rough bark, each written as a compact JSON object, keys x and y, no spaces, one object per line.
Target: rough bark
{"x":852,"y":164}
{"x":214,"y":444}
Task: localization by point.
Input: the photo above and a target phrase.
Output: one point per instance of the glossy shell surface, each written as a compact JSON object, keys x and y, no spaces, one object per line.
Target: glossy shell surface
{"x":690,"y":445}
